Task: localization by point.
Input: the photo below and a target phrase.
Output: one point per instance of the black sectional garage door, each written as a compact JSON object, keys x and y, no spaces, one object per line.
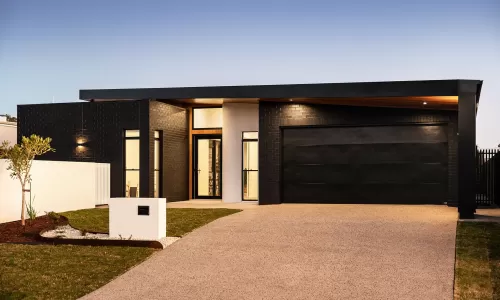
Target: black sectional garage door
{"x":376,"y":164}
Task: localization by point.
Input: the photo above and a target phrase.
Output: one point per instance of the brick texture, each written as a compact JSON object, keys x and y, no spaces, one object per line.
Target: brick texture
{"x":172,"y":121}
{"x":100,"y":124}
{"x":272,"y":116}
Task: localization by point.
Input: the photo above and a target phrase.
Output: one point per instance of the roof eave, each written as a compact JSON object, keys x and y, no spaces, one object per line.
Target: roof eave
{"x":317,"y":90}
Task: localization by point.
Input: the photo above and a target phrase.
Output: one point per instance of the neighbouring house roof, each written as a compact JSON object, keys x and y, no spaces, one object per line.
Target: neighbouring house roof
{"x":8,"y":132}
{"x":317,"y":90}
{"x":10,"y":124}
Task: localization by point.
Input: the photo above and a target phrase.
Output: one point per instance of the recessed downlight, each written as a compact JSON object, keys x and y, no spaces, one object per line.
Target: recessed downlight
{"x":425,"y":103}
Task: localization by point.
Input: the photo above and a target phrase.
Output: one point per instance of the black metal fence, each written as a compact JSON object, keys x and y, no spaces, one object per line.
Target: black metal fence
{"x":487,"y":177}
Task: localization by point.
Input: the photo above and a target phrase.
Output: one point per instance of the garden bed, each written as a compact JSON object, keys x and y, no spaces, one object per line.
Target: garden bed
{"x":14,"y":232}
{"x":67,"y":235}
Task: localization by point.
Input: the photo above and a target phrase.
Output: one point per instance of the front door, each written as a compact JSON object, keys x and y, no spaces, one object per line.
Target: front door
{"x":207,"y":173}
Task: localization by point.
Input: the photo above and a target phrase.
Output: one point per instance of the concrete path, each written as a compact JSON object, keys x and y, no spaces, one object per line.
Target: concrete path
{"x":212,"y":204}
{"x":304,"y":252}
{"x":485,"y":215}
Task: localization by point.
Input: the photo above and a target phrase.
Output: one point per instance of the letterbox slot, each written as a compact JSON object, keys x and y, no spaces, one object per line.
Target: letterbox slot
{"x":143,"y":210}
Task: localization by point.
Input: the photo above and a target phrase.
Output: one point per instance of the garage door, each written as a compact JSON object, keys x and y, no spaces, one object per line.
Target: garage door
{"x":375,"y":164}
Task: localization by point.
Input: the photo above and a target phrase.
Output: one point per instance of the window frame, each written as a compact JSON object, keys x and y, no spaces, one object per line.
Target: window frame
{"x":160,"y":161}
{"x":243,"y":140}
{"x":203,"y":128}
{"x":125,"y":138}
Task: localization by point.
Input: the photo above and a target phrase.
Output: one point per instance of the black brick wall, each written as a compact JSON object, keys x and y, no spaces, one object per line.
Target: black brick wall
{"x":272,"y":115}
{"x":100,"y":123}
{"x":173,"y":122}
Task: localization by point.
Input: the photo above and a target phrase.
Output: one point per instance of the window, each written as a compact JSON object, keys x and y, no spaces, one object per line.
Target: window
{"x":157,"y":168}
{"x":250,"y":176}
{"x":251,"y":135}
{"x":207,"y":118}
{"x":132,"y":158}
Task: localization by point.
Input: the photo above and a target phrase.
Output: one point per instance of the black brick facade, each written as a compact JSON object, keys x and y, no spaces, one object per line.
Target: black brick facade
{"x":273,"y":115}
{"x":101,"y":125}
{"x":172,"y":121}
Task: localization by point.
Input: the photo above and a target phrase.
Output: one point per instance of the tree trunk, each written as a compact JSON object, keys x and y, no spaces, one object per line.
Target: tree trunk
{"x":23,"y":208}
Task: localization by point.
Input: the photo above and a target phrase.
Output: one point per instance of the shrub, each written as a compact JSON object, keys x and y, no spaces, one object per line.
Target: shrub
{"x":30,"y":209}
{"x":54,"y":217}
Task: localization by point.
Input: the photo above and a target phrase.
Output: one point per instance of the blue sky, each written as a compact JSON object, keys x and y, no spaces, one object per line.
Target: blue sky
{"x":51,"y":49}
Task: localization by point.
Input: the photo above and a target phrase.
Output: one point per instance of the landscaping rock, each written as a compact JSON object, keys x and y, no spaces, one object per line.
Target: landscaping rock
{"x":68,"y":232}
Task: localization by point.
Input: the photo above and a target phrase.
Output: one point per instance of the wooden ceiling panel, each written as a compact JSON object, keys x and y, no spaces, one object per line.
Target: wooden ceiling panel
{"x":434,"y":102}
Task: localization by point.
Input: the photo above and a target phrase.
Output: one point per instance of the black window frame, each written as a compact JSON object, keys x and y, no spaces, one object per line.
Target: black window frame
{"x":125,"y":138}
{"x":160,"y":161}
{"x":203,"y":128}
{"x":196,"y":138}
{"x":243,"y":140}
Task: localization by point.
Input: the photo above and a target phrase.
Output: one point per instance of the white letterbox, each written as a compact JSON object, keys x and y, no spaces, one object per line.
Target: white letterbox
{"x":138,"y":218}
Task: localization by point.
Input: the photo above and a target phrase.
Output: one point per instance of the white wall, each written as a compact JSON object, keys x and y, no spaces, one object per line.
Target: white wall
{"x":125,"y":221}
{"x":237,"y":117}
{"x":102,"y":183}
{"x":8,"y":132}
{"x":56,"y":186}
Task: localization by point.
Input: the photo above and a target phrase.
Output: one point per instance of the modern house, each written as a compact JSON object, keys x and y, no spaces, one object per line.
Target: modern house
{"x":8,"y":130}
{"x":404,"y":142}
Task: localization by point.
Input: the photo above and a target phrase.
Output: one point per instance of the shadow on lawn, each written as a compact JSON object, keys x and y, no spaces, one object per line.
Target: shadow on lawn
{"x":11,"y":295}
{"x":477,"y":273}
{"x":494,"y":256}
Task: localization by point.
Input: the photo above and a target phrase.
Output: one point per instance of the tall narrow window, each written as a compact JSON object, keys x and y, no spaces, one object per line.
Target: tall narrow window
{"x":158,"y":163}
{"x":250,"y":176}
{"x":131,"y":163}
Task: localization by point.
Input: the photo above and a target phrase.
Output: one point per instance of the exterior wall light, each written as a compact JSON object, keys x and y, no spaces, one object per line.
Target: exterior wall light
{"x":81,"y":141}
{"x":81,"y":145}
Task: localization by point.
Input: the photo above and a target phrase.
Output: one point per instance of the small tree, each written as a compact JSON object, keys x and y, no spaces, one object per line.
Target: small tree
{"x":20,"y":158}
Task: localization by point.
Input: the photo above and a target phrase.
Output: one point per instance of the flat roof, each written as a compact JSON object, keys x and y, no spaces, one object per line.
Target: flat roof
{"x":449,"y":87}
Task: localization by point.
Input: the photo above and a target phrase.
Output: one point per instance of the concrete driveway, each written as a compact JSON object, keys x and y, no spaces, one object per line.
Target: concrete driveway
{"x":304,"y":252}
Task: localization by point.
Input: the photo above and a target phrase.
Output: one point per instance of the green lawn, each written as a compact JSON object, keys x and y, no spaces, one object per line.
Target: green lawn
{"x":180,"y":221}
{"x":61,"y":272}
{"x":69,"y":272}
{"x":477,"y":269}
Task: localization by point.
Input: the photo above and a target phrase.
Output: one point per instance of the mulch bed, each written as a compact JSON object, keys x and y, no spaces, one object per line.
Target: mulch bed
{"x":14,"y":232}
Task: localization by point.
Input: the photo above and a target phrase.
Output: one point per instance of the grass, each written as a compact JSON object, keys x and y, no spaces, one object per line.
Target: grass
{"x":69,"y":272}
{"x":61,"y":272}
{"x":477,"y":269}
{"x":180,"y":221}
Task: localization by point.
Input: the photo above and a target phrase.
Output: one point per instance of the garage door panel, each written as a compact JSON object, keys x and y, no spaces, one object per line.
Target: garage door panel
{"x":367,"y":135}
{"x":368,"y":173}
{"x":366,"y":153}
{"x":379,"y":164}
{"x":366,"y":194}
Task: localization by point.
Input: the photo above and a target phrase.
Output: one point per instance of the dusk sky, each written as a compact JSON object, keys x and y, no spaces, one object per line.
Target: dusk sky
{"x":51,"y":49}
